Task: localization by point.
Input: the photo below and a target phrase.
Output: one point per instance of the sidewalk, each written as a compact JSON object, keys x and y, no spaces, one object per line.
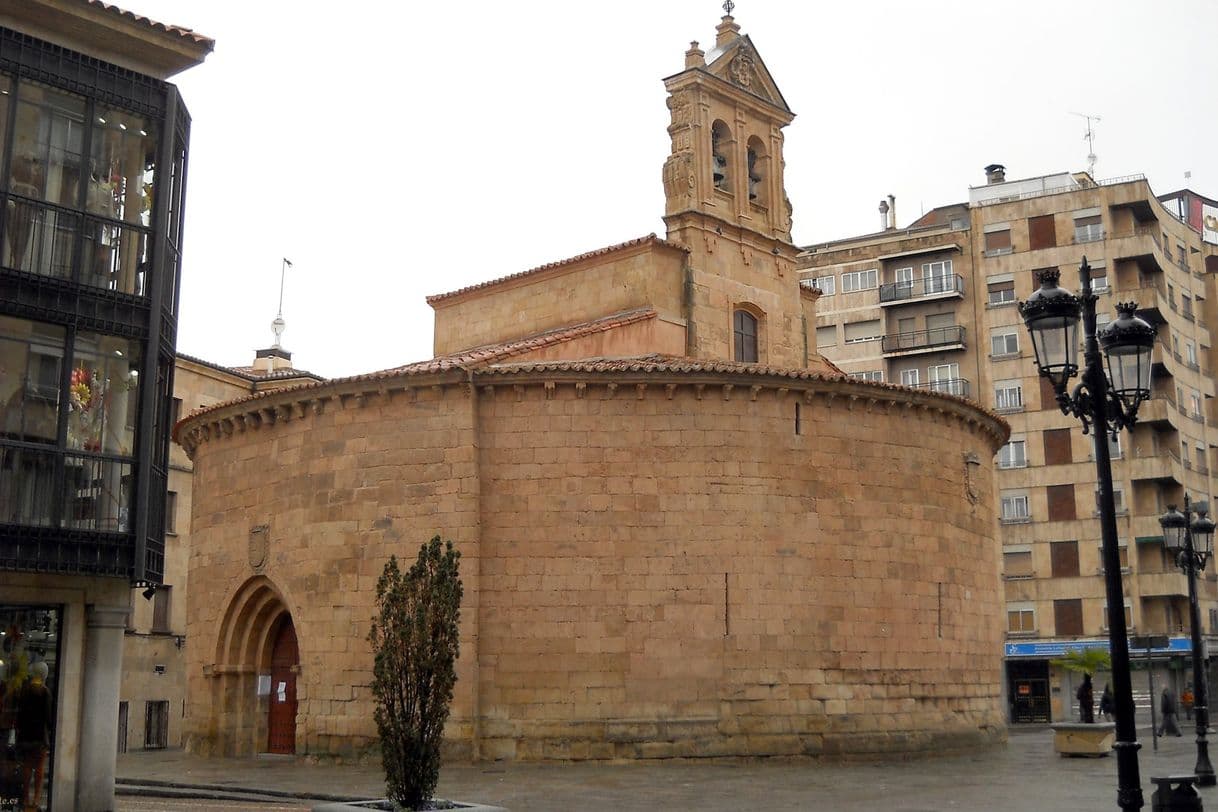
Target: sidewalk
{"x":1024,"y":776}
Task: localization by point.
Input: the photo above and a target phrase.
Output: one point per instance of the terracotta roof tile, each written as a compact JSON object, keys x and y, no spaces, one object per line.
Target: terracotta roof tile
{"x":184,"y":33}
{"x":251,"y":374}
{"x":650,"y":238}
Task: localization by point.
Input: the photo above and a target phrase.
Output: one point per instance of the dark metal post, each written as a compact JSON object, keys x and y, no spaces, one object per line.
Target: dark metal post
{"x":1129,"y":782}
{"x":1192,"y":563}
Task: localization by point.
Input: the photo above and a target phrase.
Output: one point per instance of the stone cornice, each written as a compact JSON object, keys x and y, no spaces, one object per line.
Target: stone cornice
{"x":632,"y":378}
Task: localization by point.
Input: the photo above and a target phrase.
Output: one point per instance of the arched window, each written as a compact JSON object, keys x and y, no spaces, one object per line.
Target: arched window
{"x":757,"y":171}
{"x":721,"y":137}
{"x":744,"y":329}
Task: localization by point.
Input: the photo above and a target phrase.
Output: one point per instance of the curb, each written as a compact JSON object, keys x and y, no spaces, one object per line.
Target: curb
{"x":175,"y":789}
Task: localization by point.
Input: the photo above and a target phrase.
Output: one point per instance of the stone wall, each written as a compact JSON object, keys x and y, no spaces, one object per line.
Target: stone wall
{"x":658,"y":560}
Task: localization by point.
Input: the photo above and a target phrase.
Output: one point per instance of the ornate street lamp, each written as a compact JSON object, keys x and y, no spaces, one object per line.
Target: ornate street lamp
{"x":1052,"y":316}
{"x":1191,"y":541}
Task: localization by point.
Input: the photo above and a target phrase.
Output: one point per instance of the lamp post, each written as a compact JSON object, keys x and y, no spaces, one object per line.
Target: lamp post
{"x":1105,"y":403}
{"x":1191,"y":540}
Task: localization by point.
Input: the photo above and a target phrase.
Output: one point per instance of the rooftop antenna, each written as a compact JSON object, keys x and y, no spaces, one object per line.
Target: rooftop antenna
{"x":1090,"y":138}
{"x":278,"y":324}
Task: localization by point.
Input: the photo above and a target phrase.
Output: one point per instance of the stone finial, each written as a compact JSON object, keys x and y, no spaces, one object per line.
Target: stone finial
{"x":695,"y":57}
{"x":727,"y":30}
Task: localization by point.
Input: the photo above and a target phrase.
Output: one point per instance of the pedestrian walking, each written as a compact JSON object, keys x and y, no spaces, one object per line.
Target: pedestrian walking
{"x":1186,"y":699}
{"x":1086,"y":700}
{"x":1167,"y":707}
{"x":1106,"y":702}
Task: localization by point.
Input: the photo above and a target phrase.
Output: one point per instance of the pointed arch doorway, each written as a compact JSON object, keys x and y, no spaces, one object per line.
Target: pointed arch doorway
{"x":281,"y":712}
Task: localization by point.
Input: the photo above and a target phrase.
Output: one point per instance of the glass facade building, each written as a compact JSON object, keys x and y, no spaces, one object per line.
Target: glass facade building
{"x":92,"y":179}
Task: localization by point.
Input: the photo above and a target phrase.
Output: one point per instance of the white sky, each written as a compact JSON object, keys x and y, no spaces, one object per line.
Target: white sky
{"x":395,"y":150}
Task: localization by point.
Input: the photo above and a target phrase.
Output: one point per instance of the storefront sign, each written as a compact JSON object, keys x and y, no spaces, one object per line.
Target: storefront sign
{"x":1054,"y":648}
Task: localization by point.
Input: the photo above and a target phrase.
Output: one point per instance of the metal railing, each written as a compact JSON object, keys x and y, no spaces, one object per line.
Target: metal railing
{"x":1057,"y":190}
{"x":920,"y":288}
{"x":950,"y":386}
{"x":923,"y":339}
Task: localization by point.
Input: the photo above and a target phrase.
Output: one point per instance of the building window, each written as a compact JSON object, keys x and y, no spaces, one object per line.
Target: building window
{"x":876,"y":375}
{"x":1190,"y":354}
{"x":937,"y":276}
{"x":859,"y":331}
{"x":909,"y":377}
{"x":1042,"y":232}
{"x":1060,"y":500}
{"x":1004,"y":341}
{"x":1013,"y":455}
{"x":946,"y":378}
{"x":998,"y":242}
{"x":1088,"y":229}
{"x":1015,"y":507}
{"x":160,"y":610}
{"x":721,"y":138}
{"x":903,"y":278}
{"x":1063,"y":559}
{"x":1122,"y":554}
{"x":826,"y":336}
{"x":1057,"y":447}
{"x":171,"y":512}
{"x":1068,"y":617}
{"x":1099,"y":278}
{"x":1021,"y":618}
{"x":1001,"y":293}
{"x":1128,"y":615}
{"x":827,"y":285}
{"x":1008,"y":396}
{"x":859,"y":280}
{"x":1118,"y":499}
{"x":744,"y":329}
{"x":1017,"y":563}
{"x":1114,"y":446}
{"x":1195,"y":399}
{"x":1186,"y":306}
{"x":156,"y":725}
{"x":122,"y":726}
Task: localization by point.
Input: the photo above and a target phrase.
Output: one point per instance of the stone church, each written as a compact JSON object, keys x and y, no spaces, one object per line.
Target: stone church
{"x":683,"y":532}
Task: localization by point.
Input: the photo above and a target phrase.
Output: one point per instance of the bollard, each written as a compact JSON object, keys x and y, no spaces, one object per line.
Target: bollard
{"x":1175,"y":793}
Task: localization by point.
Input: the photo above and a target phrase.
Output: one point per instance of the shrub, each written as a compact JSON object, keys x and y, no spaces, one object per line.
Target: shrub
{"x":415,"y":647}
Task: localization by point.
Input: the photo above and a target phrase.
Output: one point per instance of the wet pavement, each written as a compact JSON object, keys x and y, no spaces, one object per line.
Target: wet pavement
{"x":1023,"y":776}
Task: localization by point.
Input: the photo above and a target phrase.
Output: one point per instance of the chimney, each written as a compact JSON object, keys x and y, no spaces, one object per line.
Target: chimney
{"x":883,"y":215}
{"x":892,"y":212}
{"x":995,"y":173}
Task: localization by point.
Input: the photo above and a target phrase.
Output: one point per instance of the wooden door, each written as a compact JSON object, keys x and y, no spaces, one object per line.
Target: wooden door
{"x":281,"y":716}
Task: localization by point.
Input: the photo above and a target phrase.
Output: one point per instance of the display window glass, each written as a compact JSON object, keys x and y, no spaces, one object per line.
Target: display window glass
{"x":31,"y":362}
{"x":103,"y":394}
{"x":29,"y":677}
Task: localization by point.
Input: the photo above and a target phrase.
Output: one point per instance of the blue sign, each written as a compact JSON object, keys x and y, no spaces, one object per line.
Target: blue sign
{"x":1055,"y":648}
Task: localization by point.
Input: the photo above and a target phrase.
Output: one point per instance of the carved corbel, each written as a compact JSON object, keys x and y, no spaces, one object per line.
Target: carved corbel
{"x":670,"y":389}
{"x":640,"y":389}
{"x":727,"y":390}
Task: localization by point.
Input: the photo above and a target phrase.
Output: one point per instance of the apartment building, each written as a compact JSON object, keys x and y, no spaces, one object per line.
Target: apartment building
{"x":934,"y":306}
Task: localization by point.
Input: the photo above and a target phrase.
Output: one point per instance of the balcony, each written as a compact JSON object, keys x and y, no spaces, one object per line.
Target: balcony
{"x":921,"y":290}
{"x":1139,"y":244}
{"x":1154,"y":410}
{"x":952,"y":386}
{"x":1172,"y":583}
{"x":1164,"y":466}
{"x":921,"y":341}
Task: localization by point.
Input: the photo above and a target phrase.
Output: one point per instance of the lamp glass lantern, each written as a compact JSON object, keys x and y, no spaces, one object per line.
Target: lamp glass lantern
{"x":1052,"y":316}
{"x":1203,"y":536}
{"x":1174,"y":526}
{"x":1128,"y":344}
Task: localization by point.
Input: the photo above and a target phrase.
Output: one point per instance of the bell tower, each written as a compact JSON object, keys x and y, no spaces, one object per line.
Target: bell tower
{"x":726,"y":130}
{"x":726,"y":202}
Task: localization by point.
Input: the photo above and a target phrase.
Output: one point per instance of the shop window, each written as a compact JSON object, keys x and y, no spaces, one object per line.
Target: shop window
{"x":1068,"y":617}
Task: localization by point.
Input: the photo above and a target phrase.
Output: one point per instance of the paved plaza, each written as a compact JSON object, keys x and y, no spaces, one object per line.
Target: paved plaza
{"x":1024,"y":776}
